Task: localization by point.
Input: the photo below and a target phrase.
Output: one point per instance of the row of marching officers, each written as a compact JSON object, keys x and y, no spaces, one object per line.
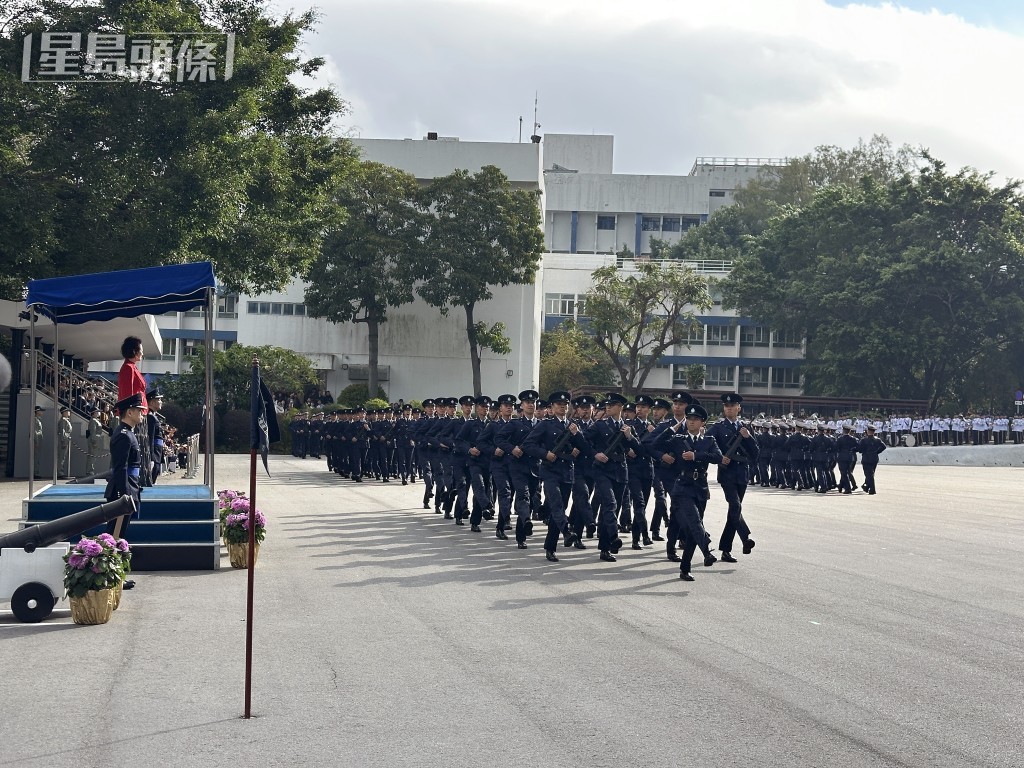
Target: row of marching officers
{"x":605,"y":470}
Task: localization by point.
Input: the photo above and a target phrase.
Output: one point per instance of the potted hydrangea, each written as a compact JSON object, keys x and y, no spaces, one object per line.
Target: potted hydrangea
{"x":224,"y":501}
{"x":93,"y":569}
{"x":125,"y":551}
{"x":235,"y":530}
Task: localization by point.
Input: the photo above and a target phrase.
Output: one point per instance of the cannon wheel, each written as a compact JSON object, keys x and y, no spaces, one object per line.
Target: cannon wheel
{"x":32,"y":602}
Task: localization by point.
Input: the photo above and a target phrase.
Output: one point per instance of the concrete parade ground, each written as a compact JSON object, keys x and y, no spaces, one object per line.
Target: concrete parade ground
{"x":862,"y":630}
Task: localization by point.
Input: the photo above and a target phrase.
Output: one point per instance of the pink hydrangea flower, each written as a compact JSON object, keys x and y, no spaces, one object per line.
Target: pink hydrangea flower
{"x":90,"y":547}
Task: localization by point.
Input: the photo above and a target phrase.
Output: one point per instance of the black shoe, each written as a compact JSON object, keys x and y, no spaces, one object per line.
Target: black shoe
{"x":521,"y":544}
{"x":608,"y":557}
{"x":550,"y":556}
{"x":636,"y":545}
{"x":871,"y":493}
{"x":385,"y":480}
{"x":487,"y":514}
{"x":438,"y":510}
{"x":578,"y":544}
{"x":568,"y":539}
{"x":657,"y":536}
{"x":747,"y":546}
{"x":591,"y":530}
{"x":685,"y":576}
{"x":475,"y":529}
{"x":458,"y":521}
{"x":616,"y":546}
{"x":500,"y":533}
{"x":426,"y":505}
{"x":709,"y":560}
{"x":129,"y":584}
{"x":358,"y":479}
{"x":447,"y":515}
{"x":728,"y":558}
{"x":674,"y":558}
{"x":647,"y":540}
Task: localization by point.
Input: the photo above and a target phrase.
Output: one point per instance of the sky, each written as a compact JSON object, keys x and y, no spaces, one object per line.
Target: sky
{"x":676,"y":79}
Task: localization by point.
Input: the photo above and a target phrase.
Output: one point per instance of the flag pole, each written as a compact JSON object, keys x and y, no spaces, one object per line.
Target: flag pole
{"x":254,"y":403}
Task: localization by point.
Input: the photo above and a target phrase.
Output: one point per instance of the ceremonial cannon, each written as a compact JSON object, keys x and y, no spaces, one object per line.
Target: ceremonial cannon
{"x":32,"y":563}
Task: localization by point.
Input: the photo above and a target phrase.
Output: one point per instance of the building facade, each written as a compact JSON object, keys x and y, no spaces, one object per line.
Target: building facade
{"x":590,"y":213}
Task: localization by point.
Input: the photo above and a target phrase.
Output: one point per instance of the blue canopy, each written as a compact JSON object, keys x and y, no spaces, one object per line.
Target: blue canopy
{"x":126,"y":293}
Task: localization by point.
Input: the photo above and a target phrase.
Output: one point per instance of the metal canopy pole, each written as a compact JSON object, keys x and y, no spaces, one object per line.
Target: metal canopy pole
{"x":31,"y":421}
{"x":208,"y":468}
{"x":56,"y":400}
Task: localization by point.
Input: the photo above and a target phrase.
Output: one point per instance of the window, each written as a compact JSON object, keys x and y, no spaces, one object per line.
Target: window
{"x":169,"y":348}
{"x":275,"y":308}
{"x":787,"y":378}
{"x":694,"y":338}
{"x":193,"y":348}
{"x":719,"y":375}
{"x":227,"y":305}
{"x":754,"y":376}
{"x":560,"y":304}
{"x":787,"y":339}
{"x":689,"y":222}
{"x":650,"y":223}
{"x":716,"y":193}
{"x":671,"y":224}
{"x":606,"y":222}
{"x":723,"y":335}
{"x":753,"y":336}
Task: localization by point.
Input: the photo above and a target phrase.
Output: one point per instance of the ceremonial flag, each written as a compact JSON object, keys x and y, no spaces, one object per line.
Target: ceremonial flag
{"x":264,"y":429}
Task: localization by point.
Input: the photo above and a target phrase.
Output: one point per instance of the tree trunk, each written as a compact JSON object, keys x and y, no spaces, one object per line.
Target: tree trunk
{"x":373,"y":334}
{"x":474,"y":350}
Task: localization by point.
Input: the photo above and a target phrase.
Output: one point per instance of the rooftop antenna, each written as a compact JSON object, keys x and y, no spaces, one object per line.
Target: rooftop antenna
{"x":520,"y":129}
{"x":535,"y":138}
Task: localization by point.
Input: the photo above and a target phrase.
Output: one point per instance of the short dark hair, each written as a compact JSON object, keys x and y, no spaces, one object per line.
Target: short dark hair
{"x":130,"y":347}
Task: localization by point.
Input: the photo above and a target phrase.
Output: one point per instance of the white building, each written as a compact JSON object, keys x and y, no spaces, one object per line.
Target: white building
{"x":592,"y":213}
{"x":589,"y":214}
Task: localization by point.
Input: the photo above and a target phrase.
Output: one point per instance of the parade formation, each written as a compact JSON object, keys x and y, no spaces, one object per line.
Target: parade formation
{"x":585,"y":468}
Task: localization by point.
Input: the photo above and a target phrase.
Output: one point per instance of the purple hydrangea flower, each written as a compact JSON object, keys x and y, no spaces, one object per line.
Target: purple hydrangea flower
{"x":90,"y":547}
{"x":77,"y":561}
{"x":107,"y":540}
{"x":122,"y":546}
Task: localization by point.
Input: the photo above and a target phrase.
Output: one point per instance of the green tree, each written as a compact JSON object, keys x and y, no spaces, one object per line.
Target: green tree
{"x":569,"y":359}
{"x":367,"y":265}
{"x":695,"y":376}
{"x":282,"y":369}
{"x":483,"y":233}
{"x":128,"y":174}
{"x":635,"y":318}
{"x":901,"y":288}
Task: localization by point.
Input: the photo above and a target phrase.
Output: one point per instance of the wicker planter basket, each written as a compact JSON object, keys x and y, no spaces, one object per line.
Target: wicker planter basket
{"x":94,"y":608}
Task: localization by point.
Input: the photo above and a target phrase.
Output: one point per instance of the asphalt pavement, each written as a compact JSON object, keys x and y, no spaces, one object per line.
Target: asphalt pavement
{"x":862,"y":630}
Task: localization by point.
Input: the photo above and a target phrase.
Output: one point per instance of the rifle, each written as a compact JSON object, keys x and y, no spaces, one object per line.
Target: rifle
{"x":612,"y":447}
{"x":560,"y":443}
{"x":734,"y":446}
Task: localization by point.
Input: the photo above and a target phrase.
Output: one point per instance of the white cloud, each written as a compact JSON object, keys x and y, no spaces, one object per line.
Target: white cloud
{"x":673,"y":79}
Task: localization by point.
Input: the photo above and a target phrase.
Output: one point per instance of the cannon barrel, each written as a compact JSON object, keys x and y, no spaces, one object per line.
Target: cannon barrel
{"x":45,"y":534}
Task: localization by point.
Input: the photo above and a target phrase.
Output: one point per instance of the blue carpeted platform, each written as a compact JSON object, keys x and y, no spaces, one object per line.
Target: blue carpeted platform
{"x":176,"y":528}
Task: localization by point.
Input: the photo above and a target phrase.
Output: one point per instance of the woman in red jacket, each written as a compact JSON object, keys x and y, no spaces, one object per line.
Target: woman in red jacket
{"x":129,"y":378}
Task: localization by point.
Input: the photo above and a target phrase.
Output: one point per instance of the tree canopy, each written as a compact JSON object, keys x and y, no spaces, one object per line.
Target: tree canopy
{"x":902,"y":288}
{"x":113,"y":175}
{"x":483,"y":233}
{"x":367,"y":265}
{"x":637,"y":318}
{"x":282,"y":369}
{"x":569,"y":358}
